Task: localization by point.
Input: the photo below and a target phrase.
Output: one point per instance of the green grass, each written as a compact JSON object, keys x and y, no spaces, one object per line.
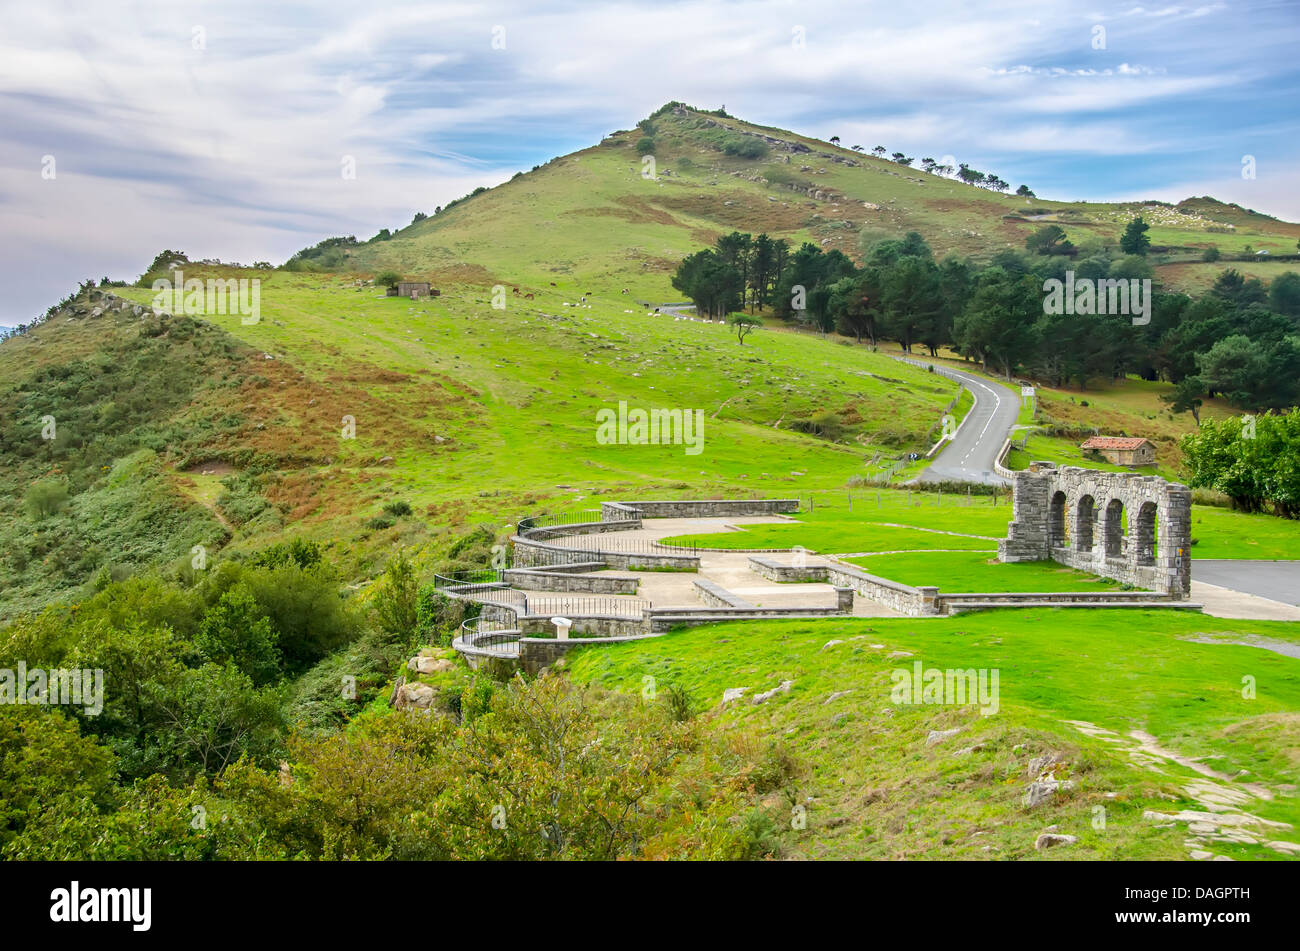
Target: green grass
{"x":1223,"y":533}
{"x":971,"y":572}
{"x":874,"y":789}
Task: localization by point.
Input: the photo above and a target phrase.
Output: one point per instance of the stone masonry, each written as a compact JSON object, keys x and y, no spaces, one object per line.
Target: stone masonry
{"x":1133,"y":528}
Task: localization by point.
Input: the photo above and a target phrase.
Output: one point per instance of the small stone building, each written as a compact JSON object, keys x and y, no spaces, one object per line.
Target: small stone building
{"x":412,"y":289}
{"x":1123,"y":450}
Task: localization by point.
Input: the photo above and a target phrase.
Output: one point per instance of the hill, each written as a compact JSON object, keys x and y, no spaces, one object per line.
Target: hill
{"x":594,"y":218}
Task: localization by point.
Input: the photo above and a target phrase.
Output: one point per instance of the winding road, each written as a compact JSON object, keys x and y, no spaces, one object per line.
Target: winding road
{"x":972,"y":452}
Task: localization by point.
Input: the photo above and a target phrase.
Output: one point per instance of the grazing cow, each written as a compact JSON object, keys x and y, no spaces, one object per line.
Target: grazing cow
{"x":624,"y":291}
{"x":528,"y":297}
{"x":552,"y":283}
{"x":656,"y":310}
{"x":516,"y":290}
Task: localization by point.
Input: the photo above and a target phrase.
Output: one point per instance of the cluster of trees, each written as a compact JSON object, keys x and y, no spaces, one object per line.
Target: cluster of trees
{"x":1250,"y":459}
{"x":1240,"y":339}
{"x":239,"y":709}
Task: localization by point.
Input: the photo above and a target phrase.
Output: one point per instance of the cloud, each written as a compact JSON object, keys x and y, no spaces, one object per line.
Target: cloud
{"x":221,"y":128}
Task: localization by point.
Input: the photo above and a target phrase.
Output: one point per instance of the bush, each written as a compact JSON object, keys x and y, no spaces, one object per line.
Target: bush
{"x":398,"y":508}
{"x":645,"y":146}
{"x":387,"y":279}
{"x":45,"y":498}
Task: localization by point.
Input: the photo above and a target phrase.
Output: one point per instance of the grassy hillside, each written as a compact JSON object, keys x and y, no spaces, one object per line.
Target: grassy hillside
{"x":877,"y":783}
{"x":592,"y":218}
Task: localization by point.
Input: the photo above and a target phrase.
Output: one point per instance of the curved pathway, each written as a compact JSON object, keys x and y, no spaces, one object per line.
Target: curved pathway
{"x":971,"y":454}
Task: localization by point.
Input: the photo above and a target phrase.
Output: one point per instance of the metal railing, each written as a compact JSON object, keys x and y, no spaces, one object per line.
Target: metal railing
{"x":631,"y":609}
{"x":494,"y":636}
{"x":620,"y":545}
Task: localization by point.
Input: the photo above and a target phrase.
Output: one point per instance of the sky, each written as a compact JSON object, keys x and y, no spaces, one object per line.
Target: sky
{"x":223,"y":129}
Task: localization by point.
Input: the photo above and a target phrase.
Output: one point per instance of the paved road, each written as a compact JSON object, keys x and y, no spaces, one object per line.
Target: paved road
{"x":1275,"y":580}
{"x":970,"y":455}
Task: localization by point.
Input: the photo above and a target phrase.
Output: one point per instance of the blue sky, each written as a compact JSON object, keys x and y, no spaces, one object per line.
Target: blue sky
{"x":219,"y":128}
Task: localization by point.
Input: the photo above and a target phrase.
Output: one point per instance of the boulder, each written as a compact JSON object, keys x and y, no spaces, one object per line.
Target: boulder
{"x":414,"y":697}
{"x":783,"y":687}
{"x":938,"y":736}
{"x":1050,"y":840}
{"x":1043,"y":789}
{"x":429,"y":665}
{"x":732,"y":694}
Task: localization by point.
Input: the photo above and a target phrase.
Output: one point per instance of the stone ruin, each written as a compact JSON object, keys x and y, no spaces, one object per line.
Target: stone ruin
{"x":1133,"y":528}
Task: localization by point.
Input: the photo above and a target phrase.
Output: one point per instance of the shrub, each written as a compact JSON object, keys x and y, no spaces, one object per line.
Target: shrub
{"x":398,"y":508}
{"x":45,"y":498}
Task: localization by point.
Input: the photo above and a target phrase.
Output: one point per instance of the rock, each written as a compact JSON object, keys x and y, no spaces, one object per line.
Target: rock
{"x":429,"y":665}
{"x":899,"y":654}
{"x":732,"y":694}
{"x":414,"y":697}
{"x":783,"y":687}
{"x":1200,"y":855}
{"x":1038,"y":765}
{"x":1049,"y":840}
{"x":837,"y":695}
{"x":1043,"y":789}
{"x":830,"y":644}
{"x":938,"y":736}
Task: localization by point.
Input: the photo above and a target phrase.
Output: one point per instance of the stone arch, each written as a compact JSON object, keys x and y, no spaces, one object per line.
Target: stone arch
{"x":1144,"y":534}
{"x":1085,"y":518}
{"x":1056,"y":520}
{"x":1114,"y":528}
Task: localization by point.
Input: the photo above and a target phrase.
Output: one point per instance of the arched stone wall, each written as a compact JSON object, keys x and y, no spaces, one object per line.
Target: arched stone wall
{"x":1155,"y":551}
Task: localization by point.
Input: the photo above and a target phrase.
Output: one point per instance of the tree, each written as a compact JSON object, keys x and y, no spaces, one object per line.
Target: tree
{"x":1186,"y":397}
{"x":645,"y":145}
{"x":398,"y":598}
{"x":1049,"y":240}
{"x":744,"y":324}
{"x":1024,"y":192}
{"x":1134,"y":240}
{"x":879,"y":151}
{"x":387,"y":279}
{"x":1252,"y":463}
{"x":235,"y":631}
{"x":1284,"y":294}
{"x":998,"y":322}
{"x":835,"y":140}
{"x":1211,"y":253}
{"x":713,"y":285}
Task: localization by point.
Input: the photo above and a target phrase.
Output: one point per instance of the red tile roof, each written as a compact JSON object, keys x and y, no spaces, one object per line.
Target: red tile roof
{"x":1114,"y":442}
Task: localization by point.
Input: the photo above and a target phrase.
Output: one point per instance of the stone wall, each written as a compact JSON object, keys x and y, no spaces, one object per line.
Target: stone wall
{"x":562,"y":579}
{"x":1133,"y":528}
{"x":902,"y":598}
{"x":719,"y":597}
{"x":699,"y":508}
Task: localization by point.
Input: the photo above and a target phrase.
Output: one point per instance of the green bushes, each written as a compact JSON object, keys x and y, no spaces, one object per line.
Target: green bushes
{"x":45,"y":498}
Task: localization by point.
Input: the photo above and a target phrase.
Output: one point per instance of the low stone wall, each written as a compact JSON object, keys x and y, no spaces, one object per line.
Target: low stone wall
{"x":914,"y":602}
{"x":562,"y":579}
{"x":699,"y":508}
{"x":583,"y":528}
{"x":774,"y":570}
{"x":719,"y":597}
{"x":670,"y":618}
{"x":535,"y":653}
